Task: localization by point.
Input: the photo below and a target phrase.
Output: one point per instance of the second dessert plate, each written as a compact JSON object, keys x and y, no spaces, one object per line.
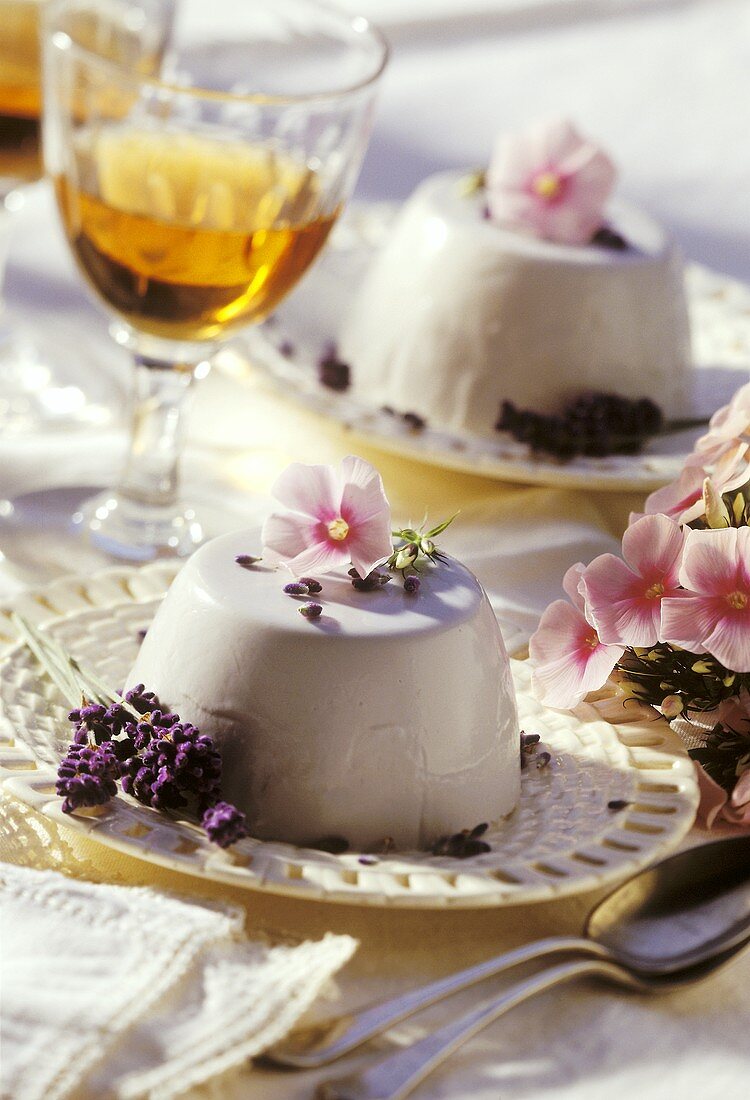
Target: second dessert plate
{"x":287,"y":349}
{"x":610,"y":799}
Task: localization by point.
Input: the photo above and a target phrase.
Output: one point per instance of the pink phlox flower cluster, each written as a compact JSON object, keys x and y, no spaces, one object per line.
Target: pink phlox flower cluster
{"x":722,"y":454}
{"x":687,"y":588}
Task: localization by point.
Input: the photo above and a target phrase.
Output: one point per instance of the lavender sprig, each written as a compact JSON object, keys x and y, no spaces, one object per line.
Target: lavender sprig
{"x":163,"y":762}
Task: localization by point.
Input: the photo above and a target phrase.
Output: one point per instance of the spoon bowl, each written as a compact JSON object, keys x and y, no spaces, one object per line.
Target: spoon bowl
{"x":681,"y":918}
{"x":678,"y":913}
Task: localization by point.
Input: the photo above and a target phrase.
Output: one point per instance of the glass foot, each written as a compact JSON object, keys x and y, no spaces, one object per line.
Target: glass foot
{"x":135,"y":531}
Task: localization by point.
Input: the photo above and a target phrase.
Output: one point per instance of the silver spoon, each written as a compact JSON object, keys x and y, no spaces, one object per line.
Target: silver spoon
{"x":690,"y":908}
{"x":394,"y":1077}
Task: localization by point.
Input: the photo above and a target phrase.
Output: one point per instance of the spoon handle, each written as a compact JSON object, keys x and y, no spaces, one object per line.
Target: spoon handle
{"x":320,"y":1044}
{"x":393,"y":1077}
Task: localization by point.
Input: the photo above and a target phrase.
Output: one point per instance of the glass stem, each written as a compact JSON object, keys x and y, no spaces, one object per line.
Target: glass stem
{"x":151,"y":475}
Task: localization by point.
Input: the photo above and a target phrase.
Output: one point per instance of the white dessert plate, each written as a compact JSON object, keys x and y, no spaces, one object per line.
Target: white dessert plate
{"x":562,"y":839}
{"x":287,"y":348}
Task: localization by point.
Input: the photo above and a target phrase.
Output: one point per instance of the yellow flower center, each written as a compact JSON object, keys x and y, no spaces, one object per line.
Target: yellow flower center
{"x":547,"y":185}
{"x":338,"y":529}
{"x":593,"y":640}
{"x":655,"y":591}
{"x":737,"y":600}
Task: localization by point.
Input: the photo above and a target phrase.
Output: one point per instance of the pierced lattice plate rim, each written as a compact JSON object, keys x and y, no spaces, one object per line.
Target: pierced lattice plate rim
{"x":562,"y":839}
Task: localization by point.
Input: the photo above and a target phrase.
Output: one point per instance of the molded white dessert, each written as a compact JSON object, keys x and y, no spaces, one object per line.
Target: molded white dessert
{"x":389,"y":716}
{"x":457,"y":314}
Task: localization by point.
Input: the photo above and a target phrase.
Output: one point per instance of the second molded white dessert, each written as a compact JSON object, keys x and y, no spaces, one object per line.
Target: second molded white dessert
{"x":457,"y":315}
{"x":390,"y":716}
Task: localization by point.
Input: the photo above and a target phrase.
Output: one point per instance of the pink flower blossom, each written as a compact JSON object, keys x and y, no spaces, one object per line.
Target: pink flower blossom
{"x":623,"y":598}
{"x":682,"y":499}
{"x":734,"y":713}
{"x":714,"y":614}
{"x":729,"y":424}
{"x":717,"y":806}
{"x":723,"y":454}
{"x":550,"y":182}
{"x":569,"y":659}
{"x":335,"y":517}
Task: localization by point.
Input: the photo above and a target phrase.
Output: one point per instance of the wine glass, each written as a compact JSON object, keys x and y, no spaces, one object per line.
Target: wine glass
{"x":22,"y":374}
{"x":194,"y":195}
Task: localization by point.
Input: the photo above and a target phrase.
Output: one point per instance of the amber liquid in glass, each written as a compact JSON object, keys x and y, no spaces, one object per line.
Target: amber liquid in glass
{"x":185,"y":236}
{"x":20,"y":98}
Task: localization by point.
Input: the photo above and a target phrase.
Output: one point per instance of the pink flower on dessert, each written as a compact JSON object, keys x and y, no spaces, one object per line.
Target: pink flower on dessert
{"x":713,"y":615}
{"x":551,"y":182}
{"x":623,"y":598}
{"x":568,"y":657}
{"x":335,"y":516}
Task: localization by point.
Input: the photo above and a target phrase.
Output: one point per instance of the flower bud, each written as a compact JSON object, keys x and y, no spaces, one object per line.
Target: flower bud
{"x":406,"y":556}
{"x":717,"y":513}
{"x":671,"y":706}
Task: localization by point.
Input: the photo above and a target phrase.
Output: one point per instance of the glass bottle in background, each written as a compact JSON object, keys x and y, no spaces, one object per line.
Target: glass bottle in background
{"x":46,"y":378}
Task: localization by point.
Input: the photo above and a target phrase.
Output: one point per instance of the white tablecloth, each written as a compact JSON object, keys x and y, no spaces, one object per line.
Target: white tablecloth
{"x":665,"y":85}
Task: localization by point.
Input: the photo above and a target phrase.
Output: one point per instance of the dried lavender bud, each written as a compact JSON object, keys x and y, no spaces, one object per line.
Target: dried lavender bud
{"x":141,"y":634}
{"x":368,"y":861}
{"x":607,"y":237}
{"x":224,"y":824}
{"x":411,"y":585}
{"x":529,"y":739}
{"x":332,"y":372}
{"x":141,"y":700}
{"x":372,"y":582}
{"x":542,"y":760}
{"x":296,"y":588}
{"x":462,"y":845}
{"x":388,"y":410}
{"x":313,"y":586}
{"x":335,"y":845}
{"x":414,"y":421}
{"x":616,"y":804}
{"x":311,"y":610}
{"x":246,"y":560}
{"x":473,"y":848}
{"x":287,"y":349}
{"x":87,"y":776}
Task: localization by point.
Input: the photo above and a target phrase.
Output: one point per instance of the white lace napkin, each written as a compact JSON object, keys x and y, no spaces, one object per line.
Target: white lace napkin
{"x":124,"y":992}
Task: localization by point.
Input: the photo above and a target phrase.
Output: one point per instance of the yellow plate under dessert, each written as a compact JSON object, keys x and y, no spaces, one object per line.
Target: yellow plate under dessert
{"x":283,"y":353}
{"x":562,"y":839}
